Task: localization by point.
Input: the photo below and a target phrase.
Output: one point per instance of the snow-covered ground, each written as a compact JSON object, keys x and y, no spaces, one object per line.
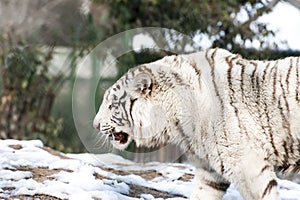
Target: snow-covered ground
{"x":28,"y":170}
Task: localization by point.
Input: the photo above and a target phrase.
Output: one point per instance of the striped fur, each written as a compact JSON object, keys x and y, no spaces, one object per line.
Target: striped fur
{"x":237,"y":118}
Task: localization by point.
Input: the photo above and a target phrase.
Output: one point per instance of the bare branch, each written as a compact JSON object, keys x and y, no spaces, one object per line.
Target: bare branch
{"x":260,"y":12}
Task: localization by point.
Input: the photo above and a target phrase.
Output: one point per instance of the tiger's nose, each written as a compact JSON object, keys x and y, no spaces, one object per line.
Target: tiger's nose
{"x":96,"y":124}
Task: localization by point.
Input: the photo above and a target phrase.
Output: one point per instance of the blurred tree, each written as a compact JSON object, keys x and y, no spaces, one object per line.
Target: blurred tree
{"x":29,"y":89}
{"x":47,"y":22}
{"x":228,"y":24}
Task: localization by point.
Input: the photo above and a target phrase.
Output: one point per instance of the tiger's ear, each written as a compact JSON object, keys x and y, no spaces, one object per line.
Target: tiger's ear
{"x":141,"y":84}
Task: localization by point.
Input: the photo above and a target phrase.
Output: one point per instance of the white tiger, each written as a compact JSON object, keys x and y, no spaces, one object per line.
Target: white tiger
{"x":238,"y":118}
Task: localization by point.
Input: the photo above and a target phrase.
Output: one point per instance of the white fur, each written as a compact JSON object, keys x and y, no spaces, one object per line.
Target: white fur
{"x":195,"y":101}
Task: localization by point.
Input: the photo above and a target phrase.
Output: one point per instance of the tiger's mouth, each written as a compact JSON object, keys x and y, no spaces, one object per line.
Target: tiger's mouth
{"x":117,"y":136}
{"x":121,"y":137}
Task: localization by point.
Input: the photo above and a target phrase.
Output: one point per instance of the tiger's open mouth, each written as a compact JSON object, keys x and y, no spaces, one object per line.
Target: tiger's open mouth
{"x":120,"y":137}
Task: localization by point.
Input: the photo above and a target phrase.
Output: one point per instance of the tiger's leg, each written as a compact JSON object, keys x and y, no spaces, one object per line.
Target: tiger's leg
{"x":209,"y":185}
{"x":254,"y":177}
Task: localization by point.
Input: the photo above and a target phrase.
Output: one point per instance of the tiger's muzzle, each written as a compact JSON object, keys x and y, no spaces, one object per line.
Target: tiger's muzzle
{"x":120,"y":136}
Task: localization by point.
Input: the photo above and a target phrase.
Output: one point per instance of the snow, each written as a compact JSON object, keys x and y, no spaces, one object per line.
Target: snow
{"x":89,"y":176}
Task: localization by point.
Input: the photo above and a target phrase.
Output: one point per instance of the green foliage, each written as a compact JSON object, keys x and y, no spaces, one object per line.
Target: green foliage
{"x":218,"y":19}
{"x":29,"y":89}
{"x":267,"y":54}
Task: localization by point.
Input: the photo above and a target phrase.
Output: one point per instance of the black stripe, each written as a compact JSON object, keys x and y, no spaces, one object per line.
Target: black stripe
{"x":211,"y":61}
{"x":288,"y":75}
{"x":265,"y":72}
{"x":185,"y":140}
{"x":177,"y":78}
{"x":297,"y":80}
{"x":197,"y":72}
{"x":298,"y":142}
{"x":147,"y":70}
{"x":253,"y":77}
{"x":118,"y":122}
{"x":286,"y":153}
{"x":124,"y":112}
{"x":232,"y":97}
{"x":256,"y":88}
{"x":242,"y":77}
{"x":285,"y":121}
{"x":132,"y":101}
{"x":272,"y":139}
{"x":275,"y":81}
{"x":269,"y":187}
{"x":266,"y":111}
{"x":284,"y":95}
{"x":124,"y":95}
{"x":217,"y":186}
{"x":262,"y":109}
{"x":274,"y":94}
{"x":222,"y":167}
{"x":266,"y":167}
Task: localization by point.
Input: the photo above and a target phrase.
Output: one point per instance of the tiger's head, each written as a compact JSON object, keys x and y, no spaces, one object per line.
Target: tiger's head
{"x":129,"y":112}
{"x":153,"y":104}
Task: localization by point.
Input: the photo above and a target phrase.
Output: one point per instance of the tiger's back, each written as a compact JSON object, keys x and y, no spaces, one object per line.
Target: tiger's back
{"x":263,"y":97}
